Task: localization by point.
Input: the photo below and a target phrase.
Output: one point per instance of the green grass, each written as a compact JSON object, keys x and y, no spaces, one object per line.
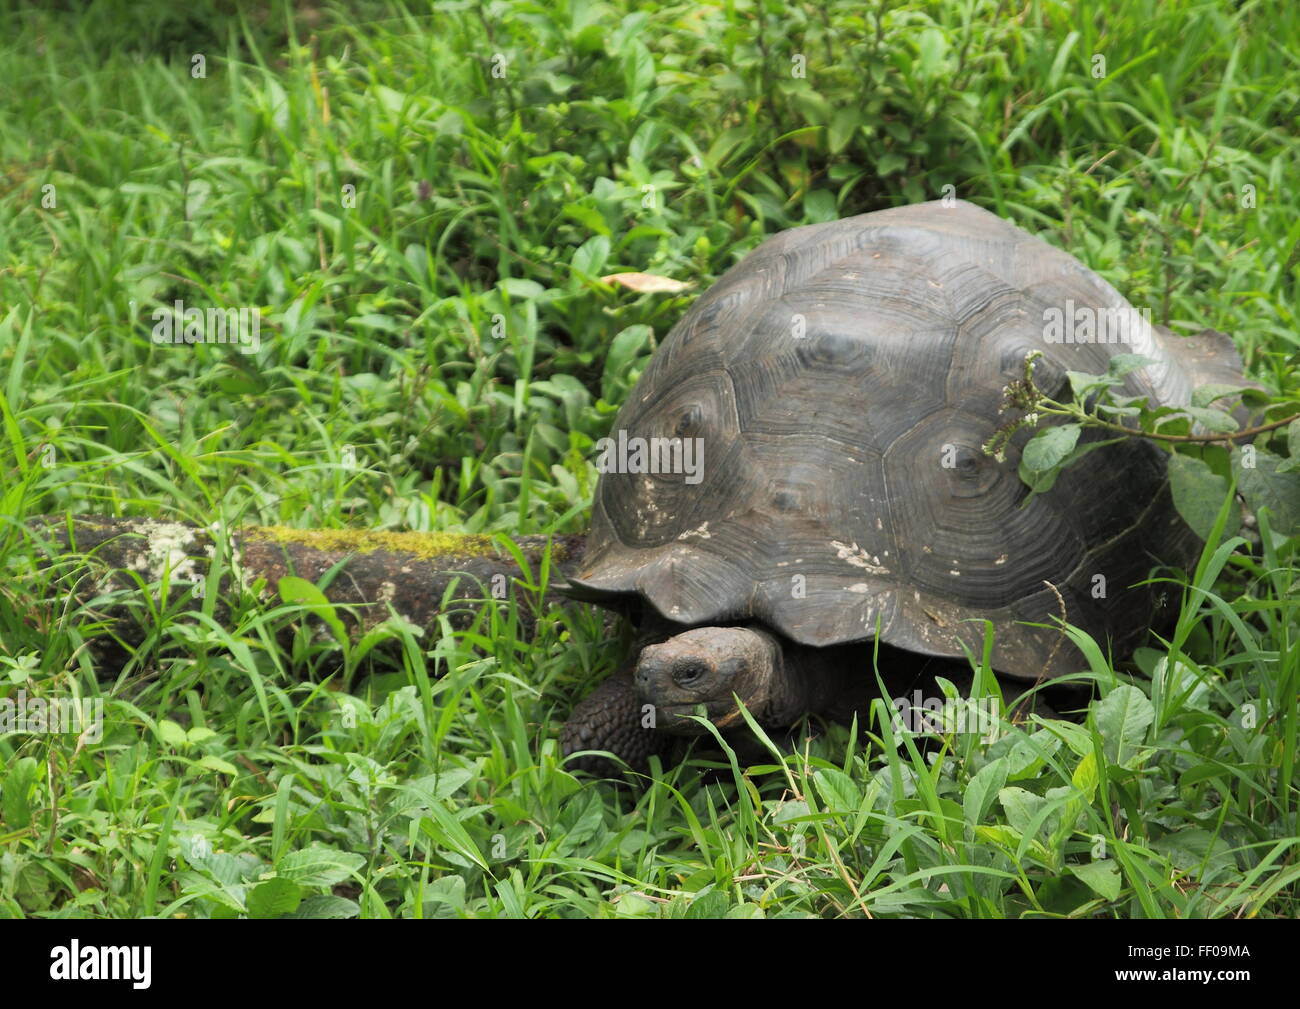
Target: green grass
{"x":440,"y":355}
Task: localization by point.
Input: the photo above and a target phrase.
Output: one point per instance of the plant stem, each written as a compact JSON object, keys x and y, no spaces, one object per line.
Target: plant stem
{"x":1217,"y":436}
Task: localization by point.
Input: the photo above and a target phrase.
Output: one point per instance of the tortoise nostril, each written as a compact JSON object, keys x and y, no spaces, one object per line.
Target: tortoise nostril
{"x":689,"y":672}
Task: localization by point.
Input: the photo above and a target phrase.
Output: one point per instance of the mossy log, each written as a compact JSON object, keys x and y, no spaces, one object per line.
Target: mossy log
{"x":101,"y":562}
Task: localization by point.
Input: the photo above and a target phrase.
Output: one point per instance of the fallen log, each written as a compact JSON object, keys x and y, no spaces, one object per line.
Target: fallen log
{"x":368,"y":576}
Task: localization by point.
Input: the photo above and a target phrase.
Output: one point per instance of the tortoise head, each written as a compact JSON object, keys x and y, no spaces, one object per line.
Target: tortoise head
{"x":697,"y":672}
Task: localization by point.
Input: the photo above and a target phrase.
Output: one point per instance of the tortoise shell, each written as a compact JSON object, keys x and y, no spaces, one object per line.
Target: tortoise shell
{"x":842,"y":380}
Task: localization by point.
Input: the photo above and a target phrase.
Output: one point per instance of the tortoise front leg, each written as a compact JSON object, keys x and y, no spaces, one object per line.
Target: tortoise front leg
{"x":610,"y":719}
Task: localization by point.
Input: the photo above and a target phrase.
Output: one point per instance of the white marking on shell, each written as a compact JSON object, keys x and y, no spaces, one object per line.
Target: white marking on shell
{"x":702,"y":532}
{"x":1000,"y":561}
{"x":859,"y":587}
{"x":859,"y":558}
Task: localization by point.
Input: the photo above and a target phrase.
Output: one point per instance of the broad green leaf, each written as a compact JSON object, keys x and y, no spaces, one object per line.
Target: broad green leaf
{"x":375,"y":320}
{"x":638,"y":70}
{"x":844,"y":123}
{"x":321,"y":905}
{"x":301,"y":592}
{"x":1124,"y":402}
{"x":1083,"y":385}
{"x":444,"y":897}
{"x":587,"y":825}
{"x":813,"y":107}
{"x":220,"y":766}
{"x":443,"y":785}
{"x":1265,"y":485}
{"x":589,"y":258}
{"x":227,"y":895}
{"x":837,"y":790}
{"x":1000,"y":834}
{"x":633,"y":905}
{"x":1025,"y":754}
{"x":1049,"y":447}
{"x":590,"y":39}
{"x":588,"y":217}
{"x":889,"y":164}
{"x":1085,"y":776}
{"x":1101,"y":876}
{"x":626,"y":347}
{"x":986,"y":783}
{"x":1121,"y":364}
{"x":1011,"y":839}
{"x":171,"y":733}
{"x":819,"y":206}
{"x":1291,"y":464}
{"x":1204,"y":395}
{"x":1038,"y":483}
{"x":1213,"y":420}
{"x":16,"y":803}
{"x":1023,"y":808}
{"x":273,"y":898}
{"x":318,"y":866}
{"x":522,"y":288}
{"x":1123,"y":718}
{"x":932,"y":47}
{"x":1198,"y":851}
{"x":1198,"y":492}
{"x":1042,"y":482}
{"x":229,"y":870}
{"x":1076,"y":737}
{"x":1111,"y":411}
{"x":713,"y":904}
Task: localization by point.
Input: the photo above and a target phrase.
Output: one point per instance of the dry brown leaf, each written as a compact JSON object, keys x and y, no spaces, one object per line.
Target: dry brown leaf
{"x":647,"y":283}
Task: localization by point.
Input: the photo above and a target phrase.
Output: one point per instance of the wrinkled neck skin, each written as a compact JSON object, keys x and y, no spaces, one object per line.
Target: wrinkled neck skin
{"x":836,"y":682}
{"x":776,"y":695}
{"x":785,"y":695}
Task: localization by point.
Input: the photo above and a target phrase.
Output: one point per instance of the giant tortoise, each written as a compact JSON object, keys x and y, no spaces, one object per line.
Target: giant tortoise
{"x":833,"y":392}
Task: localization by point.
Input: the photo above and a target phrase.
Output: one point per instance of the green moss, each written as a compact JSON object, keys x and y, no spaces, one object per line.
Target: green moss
{"x":424,"y":545}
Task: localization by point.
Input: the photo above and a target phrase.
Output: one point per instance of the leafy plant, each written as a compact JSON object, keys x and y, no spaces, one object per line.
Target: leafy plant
{"x":1264,"y":479}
